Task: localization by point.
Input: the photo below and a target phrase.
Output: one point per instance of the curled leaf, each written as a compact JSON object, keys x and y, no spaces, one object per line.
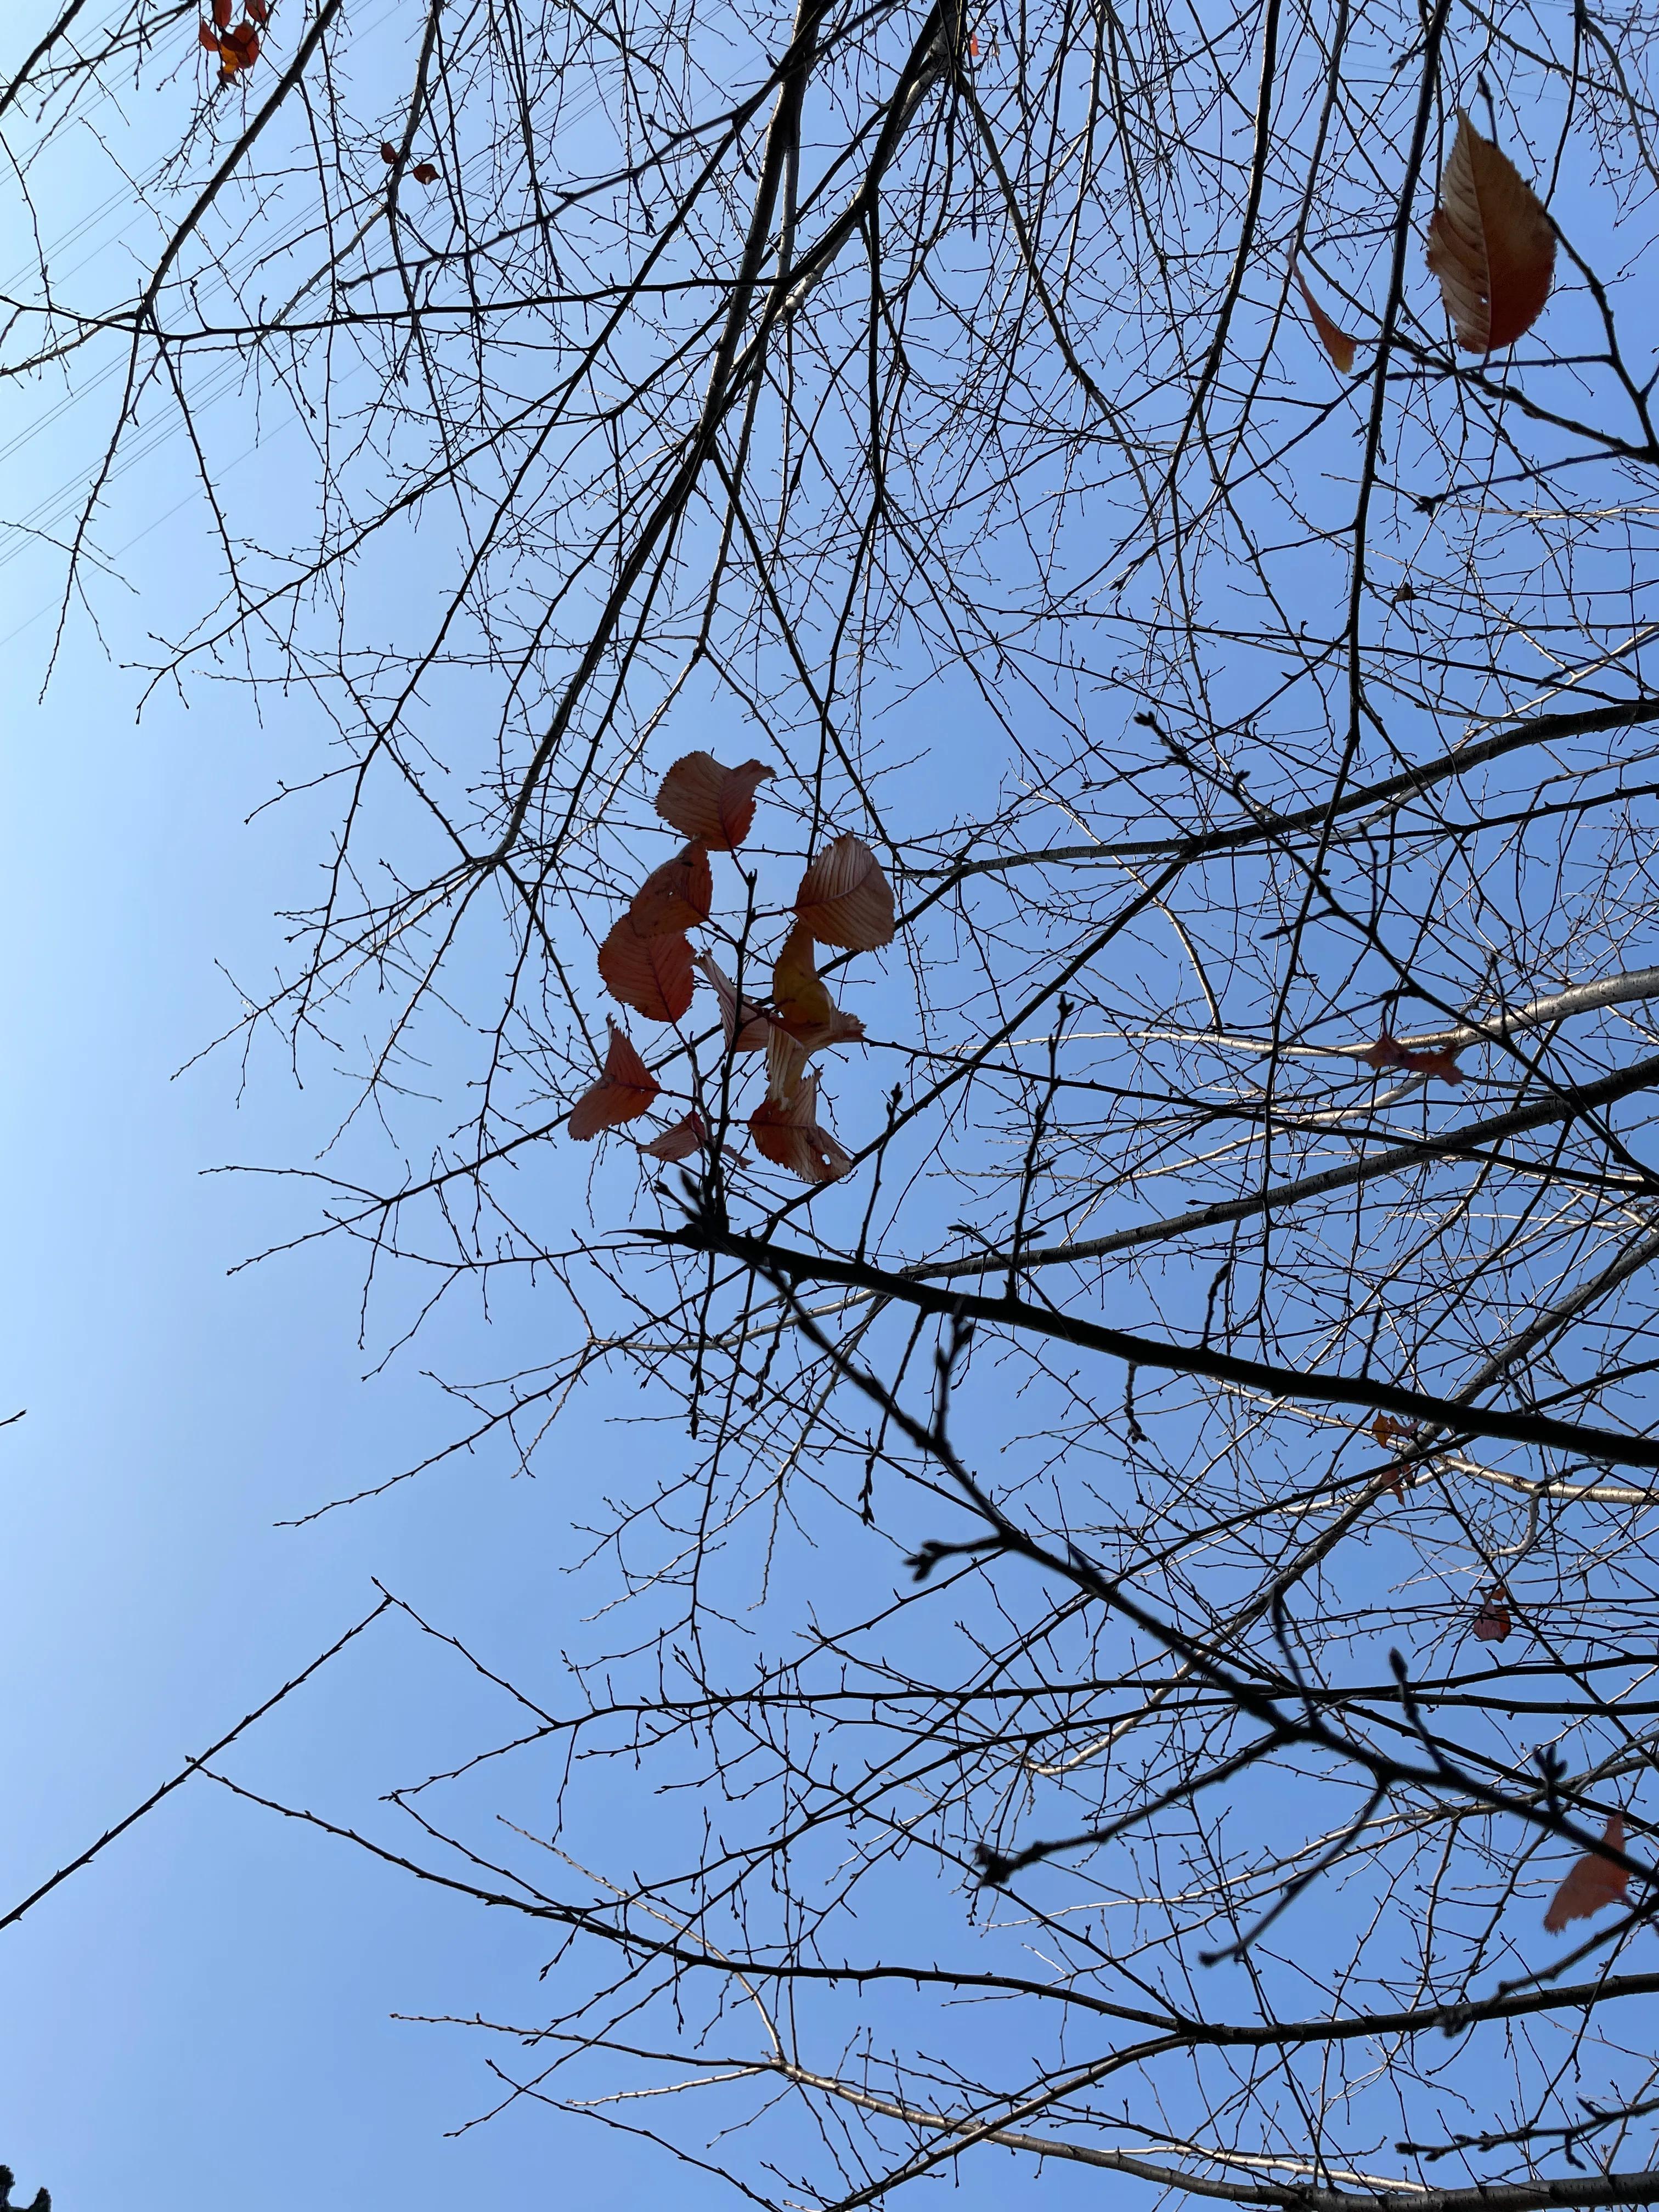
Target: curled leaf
{"x":687,"y":1136}
{"x":788,"y":1133}
{"x":702,"y":799}
{"x":805,"y":1017}
{"x":1492,"y":1623}
{"x":653,"y":975}
{"x":425,"y":173}
{"x":1490,"y":245}
{"x":626,"y":1089}
{"x":1337,"y":342}
{"x":388,"y":153}
{"x":677,"y":896}
{"x":239,"y":49}
{"x":756,"y":1028}
{"x":845,"y":899}
{"x":1592,"y":1881}
{"x":1429,"y":1059}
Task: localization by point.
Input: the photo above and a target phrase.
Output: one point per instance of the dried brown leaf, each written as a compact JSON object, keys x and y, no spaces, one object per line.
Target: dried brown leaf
{"x":1337,"y":342}
{"x":1490,"y":245}
{"x":788,"y":1133}
{"x":677,"y":896}
{"x":687,"y":1136}
{"x":626,"y":1089}
{"x":1591,"y":1882}
{"x":703,"y":799}
{"x":653,"y":975}
{"x":845,"y":899}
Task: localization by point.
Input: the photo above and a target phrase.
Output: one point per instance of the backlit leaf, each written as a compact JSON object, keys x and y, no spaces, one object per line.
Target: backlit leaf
{"x":756,"y":1028}
{"x":1337,"y":342}
{"x":704,"y":800}
{"x":1490,"y":245}
{"x":653,"y":975}
{"x":687,"y":1136}
{"x":677,"y":896}
{"x":845,"y":899}
{"x":1492,"y":1623}
{"x":788,"y":1133}
{"x":207,"y":36}
{"x":626,"y":1089}
{"x":1592,"y":1882}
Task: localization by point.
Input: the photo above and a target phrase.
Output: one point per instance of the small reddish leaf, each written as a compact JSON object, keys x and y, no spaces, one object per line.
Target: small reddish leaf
{"x":1337,"y":342}
{"x":702,"y":799}
{"x":1592,"y":1881}
{"x":625,"y":1091}
{"x":756,"y":1029}
{"x":805,"y":1017}
{"x":240,"y":49}
{"x":677,"y":896}
{"x":845,"y":899}
{"x":207,"y":36}
{"x":1490,"y":245}
{"x":653,"y":975}
{"x":973,"y":48}
{"x":1429,"y":1059}
{"x":788,"y":1133}
{"x":257,"y":12}
{"x":686,"y":1137}
{"x":388,"y":153}
{"x":425,"y":173}
{"x":221,"y":14}
{"x":1492,"y":1623}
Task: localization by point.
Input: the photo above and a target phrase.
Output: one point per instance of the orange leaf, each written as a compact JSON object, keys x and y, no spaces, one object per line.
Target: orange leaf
{"x":425,"y":173}
{"x":686,"y":1137}
{"x":625,"y":1091}
{"x":1440,"y":1059}
{"x":388,"y":153}
{"x":1490,"y":245}
{"x":1592,"y":1881}
{"x":788,"y":1134}
{"x":702,"y":799}
{"x":653,"y":975}
{"x":756,"y":1029}
{"x":209,"y":37}
{"x":221,"y":14}
{"x":1492,"y":1623}
{"x":677,"y":896}
{"x":845,"y":899}
{"x":1337,"y":342}
{"x":240,"y":49}
{"x":256,"y":11}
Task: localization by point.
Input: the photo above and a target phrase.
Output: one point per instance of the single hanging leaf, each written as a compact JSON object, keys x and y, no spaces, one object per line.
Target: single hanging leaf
{"x":788,"y":1135}
{"x":653,"y":975}
{"x":1592,"y":1882}
{"x":425,"y":173}
{"x":1490,"y":245}
{"x":388,"y":153}
{"x":845,"y":899}
{"x":257,"y":12}
{"x":625,"y":1091}
{"x":686,"y":1137}
{"x":1337,"y":343}
{"x":1492,"y":1623}
{"x":755,"y":1030}
{"x":221,"y":14}
{"x":702,"y":799}
{"x":677,"y":896}
{"x":207,"y":36}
